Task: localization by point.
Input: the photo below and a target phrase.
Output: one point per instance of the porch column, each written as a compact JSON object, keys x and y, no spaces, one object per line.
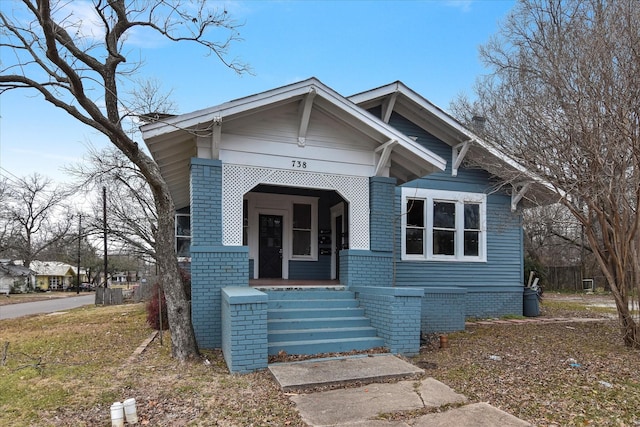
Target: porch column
{"x":374,"y":267}
{"x":383,"y":215}
{"x":213,"y":266}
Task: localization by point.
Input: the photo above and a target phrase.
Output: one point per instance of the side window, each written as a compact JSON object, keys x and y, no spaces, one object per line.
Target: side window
{"x":183,"y":235}
{"x":415,"y":230}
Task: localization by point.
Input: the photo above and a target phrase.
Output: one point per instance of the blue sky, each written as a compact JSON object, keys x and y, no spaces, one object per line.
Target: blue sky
{"x":351,"y":46}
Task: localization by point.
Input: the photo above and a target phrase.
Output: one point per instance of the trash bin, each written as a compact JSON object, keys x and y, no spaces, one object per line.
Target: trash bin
{"x":530,"y":306}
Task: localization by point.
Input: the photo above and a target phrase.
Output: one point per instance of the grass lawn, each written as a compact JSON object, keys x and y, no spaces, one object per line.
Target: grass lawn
{"x":67,"y":369}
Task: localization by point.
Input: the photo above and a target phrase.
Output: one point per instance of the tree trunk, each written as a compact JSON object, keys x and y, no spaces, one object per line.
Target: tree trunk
{"x":623,"y":286}
{"x":183,"y":343}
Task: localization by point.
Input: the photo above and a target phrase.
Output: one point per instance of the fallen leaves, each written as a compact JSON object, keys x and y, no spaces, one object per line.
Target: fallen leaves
{"x":548,"y":374}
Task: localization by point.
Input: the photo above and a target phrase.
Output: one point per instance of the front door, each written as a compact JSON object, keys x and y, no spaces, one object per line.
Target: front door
{"x":270,"y":247}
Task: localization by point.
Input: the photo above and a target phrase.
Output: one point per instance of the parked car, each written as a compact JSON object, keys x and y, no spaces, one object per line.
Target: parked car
{"x":84,"y":287}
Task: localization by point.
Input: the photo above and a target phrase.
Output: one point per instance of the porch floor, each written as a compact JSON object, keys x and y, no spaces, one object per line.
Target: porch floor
{"x":286,"y":283}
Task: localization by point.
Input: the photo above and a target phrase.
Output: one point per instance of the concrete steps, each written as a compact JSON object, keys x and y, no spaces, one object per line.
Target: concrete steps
{"x":314,"y":321}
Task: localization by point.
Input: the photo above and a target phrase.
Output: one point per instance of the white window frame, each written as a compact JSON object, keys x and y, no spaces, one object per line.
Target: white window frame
{"x":457,"y":197}
{"x":182,"y":236}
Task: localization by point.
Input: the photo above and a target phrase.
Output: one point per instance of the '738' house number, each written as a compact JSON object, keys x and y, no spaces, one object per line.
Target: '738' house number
{"x":298,"y":164}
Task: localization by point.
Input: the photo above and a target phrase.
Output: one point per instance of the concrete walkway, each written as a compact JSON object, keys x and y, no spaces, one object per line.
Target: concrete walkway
{"x":392,"y":385}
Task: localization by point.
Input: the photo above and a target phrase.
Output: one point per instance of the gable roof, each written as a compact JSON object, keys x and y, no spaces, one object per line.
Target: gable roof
{"x":52,"y":268}
{"x":398,"y":97}
{"x":173,"y":158}
{"x":9,"y":268}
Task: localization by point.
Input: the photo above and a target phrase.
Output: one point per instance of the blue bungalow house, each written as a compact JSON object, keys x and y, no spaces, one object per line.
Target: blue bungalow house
{"x":315,"y":222}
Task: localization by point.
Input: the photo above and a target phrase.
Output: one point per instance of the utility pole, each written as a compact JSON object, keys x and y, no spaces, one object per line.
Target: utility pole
{"x":79,"y":239}
{"x":104,"y":224}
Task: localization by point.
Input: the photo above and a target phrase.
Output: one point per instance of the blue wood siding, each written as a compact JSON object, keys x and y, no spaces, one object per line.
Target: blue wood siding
{"x":311,"y":270}
{"x":503,"y":269}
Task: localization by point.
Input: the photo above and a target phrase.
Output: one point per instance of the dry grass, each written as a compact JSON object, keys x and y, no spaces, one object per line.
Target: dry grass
{"x":565,"y":374}
{"x":67,"y":369}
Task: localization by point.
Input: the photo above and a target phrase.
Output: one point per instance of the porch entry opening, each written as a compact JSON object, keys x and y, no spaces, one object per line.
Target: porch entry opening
{"x":270,"y":247}
{"x":294,"y":233}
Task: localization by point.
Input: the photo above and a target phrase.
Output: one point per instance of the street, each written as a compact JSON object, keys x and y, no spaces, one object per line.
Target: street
{"x":45,"y":306}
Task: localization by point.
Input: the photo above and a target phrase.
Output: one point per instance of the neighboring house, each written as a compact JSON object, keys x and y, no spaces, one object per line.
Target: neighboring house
{"x":15,"y":278}
{"x":52,"y":275}
{"x":124,"y":277}
{"x":381,"y":194}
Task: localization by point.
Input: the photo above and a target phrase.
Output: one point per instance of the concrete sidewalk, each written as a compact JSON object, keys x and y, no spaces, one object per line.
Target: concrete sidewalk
{"x":387,"y":390}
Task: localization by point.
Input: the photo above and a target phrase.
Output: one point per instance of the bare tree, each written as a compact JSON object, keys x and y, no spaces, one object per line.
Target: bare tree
{"x":132,"y":222}
{"x":54,"y":52}
{"x":4,"y":225}
{"x":564,"y":100}
{"x":36,"y":215}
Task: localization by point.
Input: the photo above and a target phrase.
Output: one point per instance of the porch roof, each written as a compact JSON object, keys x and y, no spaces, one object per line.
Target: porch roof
{"x":172,"y":140}
{"x":396,"y":96}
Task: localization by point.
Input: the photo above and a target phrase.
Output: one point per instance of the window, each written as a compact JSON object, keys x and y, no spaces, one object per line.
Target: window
{"x":415,"y":227}
{"x":442,"y":225}
{"x":301,"y":230}
{"x":183,"y":235}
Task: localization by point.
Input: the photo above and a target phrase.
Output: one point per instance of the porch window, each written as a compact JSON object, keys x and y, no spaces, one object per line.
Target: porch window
{"x":301,"y":230}
{"x":54,"y":282}
{"x":443,"y":226}
{"x":183,"y":235}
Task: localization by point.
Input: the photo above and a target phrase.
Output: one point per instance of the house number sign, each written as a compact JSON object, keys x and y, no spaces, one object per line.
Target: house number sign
{"x":298,"y":164}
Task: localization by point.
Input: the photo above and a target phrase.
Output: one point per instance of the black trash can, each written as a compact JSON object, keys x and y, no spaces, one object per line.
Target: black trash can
{"x":530,"y":306}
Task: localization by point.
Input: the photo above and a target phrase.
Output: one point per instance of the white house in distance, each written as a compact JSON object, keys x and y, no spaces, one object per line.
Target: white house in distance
{"x":15,"y":277}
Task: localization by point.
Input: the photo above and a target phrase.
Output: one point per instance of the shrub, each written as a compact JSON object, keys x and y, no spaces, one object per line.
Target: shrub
{"x":157,"y":298}
{"x":154,"y":305}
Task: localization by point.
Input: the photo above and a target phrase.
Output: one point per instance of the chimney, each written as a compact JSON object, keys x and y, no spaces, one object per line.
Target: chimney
{"x":478,"y":123}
